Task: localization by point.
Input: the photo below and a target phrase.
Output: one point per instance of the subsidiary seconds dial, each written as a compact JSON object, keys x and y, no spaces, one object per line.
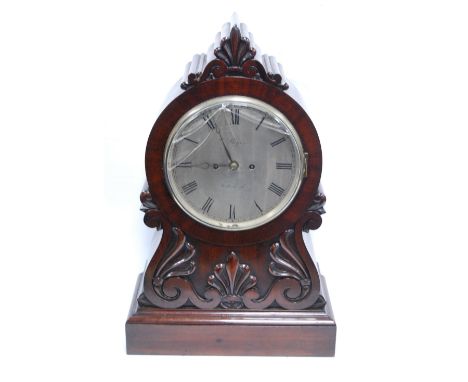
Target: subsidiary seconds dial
{"x":233,"y":163}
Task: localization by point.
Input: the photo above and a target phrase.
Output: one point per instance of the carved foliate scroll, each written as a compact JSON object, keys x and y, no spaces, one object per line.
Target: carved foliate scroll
{"x":313,"y":218}
{"x":292,"y":286}
{"x":152,"y":218}
{"x":233,"y":54}
{"x":232,"y":285}
{"x":170,"y":285}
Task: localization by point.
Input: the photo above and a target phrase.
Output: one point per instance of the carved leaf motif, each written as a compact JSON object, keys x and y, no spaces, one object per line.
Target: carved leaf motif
{"x":312,"y":218}
{"x":235,"y":56}
{"x":318,"y":203}
{"x":178,"y":263}
{"x":152,"y":218}
{"x":236,"y":49}
{"x":147,"y":202}
{"x":232,"y":280}
{"x":292,"y":288}
{"x":169,"y":285}
{"x":286,"y":263}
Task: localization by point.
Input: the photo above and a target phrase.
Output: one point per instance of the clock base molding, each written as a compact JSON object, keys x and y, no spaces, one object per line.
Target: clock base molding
{"x":269,"y":332}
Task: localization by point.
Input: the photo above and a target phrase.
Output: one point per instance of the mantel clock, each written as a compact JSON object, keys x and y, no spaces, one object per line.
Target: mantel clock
{"x":233,"y":167}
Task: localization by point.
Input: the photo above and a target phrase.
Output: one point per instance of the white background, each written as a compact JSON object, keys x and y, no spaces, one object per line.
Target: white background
{"x":386,"y":84}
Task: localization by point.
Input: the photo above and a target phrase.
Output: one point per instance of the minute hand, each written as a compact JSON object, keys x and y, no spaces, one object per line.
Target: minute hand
{"x":224,"y":145}
{"x":225,"y":148}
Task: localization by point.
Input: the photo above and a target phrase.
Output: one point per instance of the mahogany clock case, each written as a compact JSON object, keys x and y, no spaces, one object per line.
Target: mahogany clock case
{"x":219,"y":292}
{"x":221,"y":87}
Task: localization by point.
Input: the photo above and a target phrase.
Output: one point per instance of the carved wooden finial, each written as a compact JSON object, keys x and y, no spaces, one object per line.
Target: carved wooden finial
{"x":233,"y":55}
{"x":235,"y":50}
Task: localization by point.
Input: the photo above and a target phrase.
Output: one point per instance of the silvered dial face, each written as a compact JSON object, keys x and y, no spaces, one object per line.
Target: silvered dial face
{"x":233,"y":163}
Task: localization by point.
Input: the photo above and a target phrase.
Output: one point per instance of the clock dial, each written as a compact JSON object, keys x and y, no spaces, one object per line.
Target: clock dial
{"x":234,"y":163}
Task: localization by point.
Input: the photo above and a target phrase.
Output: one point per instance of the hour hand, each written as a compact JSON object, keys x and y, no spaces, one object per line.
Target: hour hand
{"x":202,"y":165}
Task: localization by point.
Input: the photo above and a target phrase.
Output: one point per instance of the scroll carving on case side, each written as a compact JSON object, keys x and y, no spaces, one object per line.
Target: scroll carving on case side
{"x":231,"y":285}
{"x":166,"y":283}
{"x":171,"y":287}
{"x":234,"y":56}
{"x":152,"y":216}
{"x":292,"y":286}
{"x":313,"y":218}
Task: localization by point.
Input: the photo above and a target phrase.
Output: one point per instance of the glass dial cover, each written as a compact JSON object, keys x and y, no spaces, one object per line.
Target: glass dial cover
{"x":233,"y":163}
